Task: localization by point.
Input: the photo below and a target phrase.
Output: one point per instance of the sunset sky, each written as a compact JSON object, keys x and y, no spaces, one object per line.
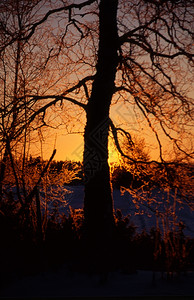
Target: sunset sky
{"x":70,"y":146}
{"x":68,"y":138}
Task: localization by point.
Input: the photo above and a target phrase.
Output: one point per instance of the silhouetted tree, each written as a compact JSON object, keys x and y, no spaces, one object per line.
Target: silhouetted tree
{"x":135,"y":52}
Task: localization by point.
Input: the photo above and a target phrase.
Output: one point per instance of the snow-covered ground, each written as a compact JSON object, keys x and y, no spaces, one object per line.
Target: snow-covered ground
{"x":64,"y":283}
{"x":140,"y":214}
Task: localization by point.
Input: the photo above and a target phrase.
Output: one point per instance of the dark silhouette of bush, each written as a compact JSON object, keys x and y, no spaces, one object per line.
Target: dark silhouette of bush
{"x":21,"y":253}
{"x":122,"y":177}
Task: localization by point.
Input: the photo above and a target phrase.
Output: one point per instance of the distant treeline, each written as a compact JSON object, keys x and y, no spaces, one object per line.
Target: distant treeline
{"x":129,"y":176}
{"x":150,"y":175}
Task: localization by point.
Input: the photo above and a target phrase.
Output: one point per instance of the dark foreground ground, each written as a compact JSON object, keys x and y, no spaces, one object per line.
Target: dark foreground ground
{"x":66,"y":284}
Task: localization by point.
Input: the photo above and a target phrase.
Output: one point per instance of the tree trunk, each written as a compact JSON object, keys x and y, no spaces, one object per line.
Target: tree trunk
{"x":98,"y":202}
{"x":2,"y":171}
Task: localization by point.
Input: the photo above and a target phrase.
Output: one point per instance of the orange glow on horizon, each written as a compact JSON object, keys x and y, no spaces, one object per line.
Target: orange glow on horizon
{"x":70,"y":146}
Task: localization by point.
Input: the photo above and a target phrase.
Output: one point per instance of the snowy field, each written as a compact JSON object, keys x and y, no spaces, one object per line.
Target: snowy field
{"x":63,"y":283}
{"x":140,"y":214}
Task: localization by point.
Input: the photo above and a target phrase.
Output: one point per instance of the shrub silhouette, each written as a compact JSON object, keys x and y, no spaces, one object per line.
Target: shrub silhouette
{"x":64,"y":243}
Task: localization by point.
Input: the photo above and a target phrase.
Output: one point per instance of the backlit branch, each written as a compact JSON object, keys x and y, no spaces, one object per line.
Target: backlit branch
{"x":115,"y":131}
{"x":156,"y":53}
{"x":145,"y":111}
{"x":31,"y":30}
{"x":137,"y":100}
{"x":44,"y":108}
{"x":30,"y":196}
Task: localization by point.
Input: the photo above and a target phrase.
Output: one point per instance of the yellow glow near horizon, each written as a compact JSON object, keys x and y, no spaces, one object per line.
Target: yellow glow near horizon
{"x":70,"y":147}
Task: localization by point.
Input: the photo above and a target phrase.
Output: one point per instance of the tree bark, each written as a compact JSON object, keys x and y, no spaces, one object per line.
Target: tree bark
{"x":2,"y":171}
{"x":98,"y":202}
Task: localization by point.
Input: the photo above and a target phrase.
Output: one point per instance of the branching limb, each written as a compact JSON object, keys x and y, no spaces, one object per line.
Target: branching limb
{"x":116,"y":140}
{"x":45,"y":107}
{"x":150,"y":125}
{"x":30,"y":31}
{"x":152,"y":52}
{"x":34,"y":190}
{"x":79,"y":85}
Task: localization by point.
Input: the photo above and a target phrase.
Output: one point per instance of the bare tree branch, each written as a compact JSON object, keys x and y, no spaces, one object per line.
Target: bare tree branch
{"x":31,"y":30}
{"x":115,"y":135}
